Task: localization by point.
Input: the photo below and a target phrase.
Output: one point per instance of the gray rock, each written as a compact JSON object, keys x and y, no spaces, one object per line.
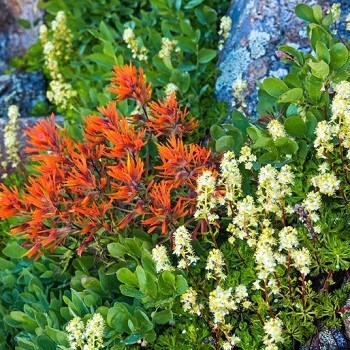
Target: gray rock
{"x":327,"y":340}
{"x":14,"y":39}
{"x":258,"y":27}
{"x":24,"y":90}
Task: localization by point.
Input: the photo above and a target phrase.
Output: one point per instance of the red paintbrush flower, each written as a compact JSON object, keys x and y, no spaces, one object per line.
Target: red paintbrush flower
{"x":162,"y":212}
{"x":130,"y":174}
{"x":182,"y":163}
{"x":165,"y":118}
{"x":128,"y":83}
{"x":10,"y":203}
{"x":125,"y":140}
{"x":44,"y":136}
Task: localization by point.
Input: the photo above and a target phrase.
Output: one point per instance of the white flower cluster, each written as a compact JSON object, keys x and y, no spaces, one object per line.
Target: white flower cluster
{"x":245,"y":222}
{"x":190,"y":303}
{"x":336,"y":12}
{"x":215,"y":265}
{"x":276,"y":129}
{"x":230,"y":178}
{"x":135,"y":45}
{"x":302,"y":260}
{"x":274,"y":186}
{"x":206,"y":198}
{"x":273,"y":333}
{"x":183,"y":248}
{"x":89,"y":337}
{"x":221,"y":303}
{"x":230,"y":342}
{"x":239,"y":91}
{"x":348,"y":22}
{"x":170,"y":89}
{"x":327,"y":183}
{"x":247,"y":157}
{"x":161,"y":259}
{"x":288,"y":238}
{"x":57,"y":53}
{"x":168,"y":46}
{"x":11,"y":142}
{"x":324,"y":138}
{"x":224,"y":31}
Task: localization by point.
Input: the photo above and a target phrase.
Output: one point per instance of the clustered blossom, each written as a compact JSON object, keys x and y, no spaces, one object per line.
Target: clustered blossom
{"x":183,"y":248}
{"x":247,"y":157}
{"x":327,"y":183}
{"x":302,"y":260}
{"x":230,"y":178}
{"x":224,"y":31}
{"x":324,"y":137}
{"x":168,"y":46}
{"x":230,"y":342}
{"x":57,"y":52}
{"x":206,"y":198}
{"x":170,"y":89}
{"x":89,"y":337}
{"x":273,"y":333}
{"x":215,"y":265}
{"x":276,"y":129}
{"x":190,"y":303}
{"x":161,"y":258}
{"x":245,"y":222}
{"x":239,"y":91}
{"x":221,"y":303}
{"x":288,"y":238}
{"x":348,"y":22}
{"x":135,"y":45}
{"x":11,"y":143}
{"x":336,"y":12}
{"x":273,"y":187}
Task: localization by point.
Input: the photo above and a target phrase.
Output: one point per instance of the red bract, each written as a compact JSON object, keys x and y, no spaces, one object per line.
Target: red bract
{"x":183,"y":163}
{"x":162,"y":211}
{"x":128,"y":83}
{"x":130,"y":175}
{"x":109,"y":180}
{"x":165,"y":118}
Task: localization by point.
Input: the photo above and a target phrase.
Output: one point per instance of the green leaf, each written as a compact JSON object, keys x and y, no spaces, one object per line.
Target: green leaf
{"x":274,"y":87}
{"x":286,"y":145}
{"x":305,"y":12}
{"x":206,"y":55}
{"x":317,"y":11}
{"x":323,"y":52}
{"x":292,"y":95}
{"x":193,"y":3}
{"x":14,"y":250}
{"x":127,"y":277}
{"x":293,"y":52}
{"x":225,"y":143}
{"x":295,"y":126}
{"x":180,"y":284}
{"x":319,"y":69}
{"x":339,"y":55}
{"x":102,"y":59}
{"x":117,"y":250}
{"x":131,"y":292}
{"x":163,"y":317}
{"x":216,"y":132}
{"x":268,"y":157}
{"x":186,"y":44}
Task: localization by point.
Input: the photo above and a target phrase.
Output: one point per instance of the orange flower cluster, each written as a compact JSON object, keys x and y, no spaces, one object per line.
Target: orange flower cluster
{"x":110,"y":179}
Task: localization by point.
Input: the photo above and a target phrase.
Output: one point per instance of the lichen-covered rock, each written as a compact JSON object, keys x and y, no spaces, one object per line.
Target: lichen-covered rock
{"x":24,"y":90}
{"x":258,"y":27}
{"x":328,"y":340}
{"x":14,"y":39}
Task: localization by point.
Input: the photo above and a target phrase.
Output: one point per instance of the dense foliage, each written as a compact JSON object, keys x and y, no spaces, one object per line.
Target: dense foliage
{"x":129,"y":236}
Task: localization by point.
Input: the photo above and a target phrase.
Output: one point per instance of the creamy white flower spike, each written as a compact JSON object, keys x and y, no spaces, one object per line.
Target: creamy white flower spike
{"x":161,"y":259}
